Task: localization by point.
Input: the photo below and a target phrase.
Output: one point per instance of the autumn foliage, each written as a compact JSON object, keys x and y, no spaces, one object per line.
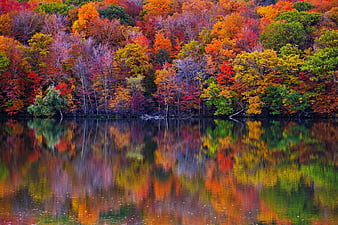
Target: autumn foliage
{"x":171,"y":57}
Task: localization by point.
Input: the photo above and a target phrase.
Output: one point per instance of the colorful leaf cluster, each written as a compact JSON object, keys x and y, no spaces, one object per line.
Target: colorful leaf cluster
{"x":171,"y":57}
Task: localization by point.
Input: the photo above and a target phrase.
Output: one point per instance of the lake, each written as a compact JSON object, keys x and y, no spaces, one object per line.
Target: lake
{"x":168,"y":172}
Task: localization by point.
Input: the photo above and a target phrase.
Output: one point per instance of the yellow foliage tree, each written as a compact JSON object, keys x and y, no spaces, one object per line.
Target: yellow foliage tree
{"x":134,"y":57}
{"x":38,"y":2}
{"x":255,"y":71}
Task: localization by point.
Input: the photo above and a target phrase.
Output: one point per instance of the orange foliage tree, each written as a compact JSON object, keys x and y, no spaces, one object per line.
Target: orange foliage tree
{"x":86,"y":15}
{"x":154,"y":8}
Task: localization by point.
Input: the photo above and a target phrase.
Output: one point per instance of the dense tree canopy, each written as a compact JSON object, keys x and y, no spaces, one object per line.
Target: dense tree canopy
{"x":171,"y":57}
{"x":116,"y":12}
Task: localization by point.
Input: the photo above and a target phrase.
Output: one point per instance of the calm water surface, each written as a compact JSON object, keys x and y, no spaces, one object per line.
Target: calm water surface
{"x":180,"y":172}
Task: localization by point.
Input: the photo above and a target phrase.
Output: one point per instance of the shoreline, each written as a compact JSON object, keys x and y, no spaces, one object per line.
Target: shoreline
{"x":170,"y":117}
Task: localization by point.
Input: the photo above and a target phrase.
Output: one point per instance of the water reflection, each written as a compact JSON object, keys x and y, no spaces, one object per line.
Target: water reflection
{"x":191,"y":172}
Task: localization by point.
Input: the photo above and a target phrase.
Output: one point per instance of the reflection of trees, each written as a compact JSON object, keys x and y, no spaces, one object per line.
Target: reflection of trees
{"x":180,"y":145}
{"x":116,"y":171}
{"x":282,"y":138}
{"x":52,"y":220}
{"x":49,"y":129}
{"x":272,"y":154}
{"x":15,"y":156}
{"x":326,"y":183}
{"x":294,"y":205}
{"x":117,"y":216}
{"x":271,"y":158}
{"x":221,"y":137}
{"x":235,"y":203}
{"x":3,"y":171}
{"x":134,"y":179}
{"x":267,"y":155}
{"x":326,"y":133}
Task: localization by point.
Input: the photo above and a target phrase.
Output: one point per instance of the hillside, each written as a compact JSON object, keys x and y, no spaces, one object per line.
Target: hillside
{"x":169,"y":57}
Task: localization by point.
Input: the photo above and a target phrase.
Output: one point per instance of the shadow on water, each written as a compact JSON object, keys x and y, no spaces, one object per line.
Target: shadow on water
{"x":168,"y":172}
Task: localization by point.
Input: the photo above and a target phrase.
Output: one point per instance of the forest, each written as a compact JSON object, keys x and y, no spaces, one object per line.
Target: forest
{"x":169,"y":57}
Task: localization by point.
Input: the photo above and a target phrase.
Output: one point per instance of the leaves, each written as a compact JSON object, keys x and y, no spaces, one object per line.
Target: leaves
{"x":167,"y":85}
{"x":219,"y":96}
{"x":323,"y":63}
{"x":154,"y":8}
{"x":53,"y":8}
{"x":49,"y":105}
{"x":134,"y":57}
{"x":98,"y":52}
{"x":303,"y":6}
{"x":4,"y":62}
{"x":38,"y":50}
{"x":86,"y":15}
{"x":116,"y":12}
{"x":307,"y":19}
{"x":278,"y":34}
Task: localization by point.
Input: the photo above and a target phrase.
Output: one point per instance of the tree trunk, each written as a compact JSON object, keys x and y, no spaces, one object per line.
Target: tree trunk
{"x":238,"y":112}
{"x":61,"y":115}
{"x":96,"y":103}
{"x":84,"y":94}
{"x":167,"y":111}
{"x":179,"y":106}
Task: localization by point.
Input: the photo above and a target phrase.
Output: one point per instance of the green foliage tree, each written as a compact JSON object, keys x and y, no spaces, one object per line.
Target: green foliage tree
{"x":161,"y":56}
{"x":116,"y":12}
{"x":307,"y":19}
{"x":278,"y":34}
{"x":324,"y":62}
{"x":4,"y":62}
{"x":76,"y":2}
{"x":296,"y":101}
{"x":295,"y":205}
{"x":277,"y":99}
{"x":273,"y":99}
{"x":49,"y":105}
{"x":329,"y":39}
{"x":3,"y":171}
{"x":303,"y":6}
{"x":223,"y":100}
{"x":290,"y":50}
{"x":54,"y":8}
